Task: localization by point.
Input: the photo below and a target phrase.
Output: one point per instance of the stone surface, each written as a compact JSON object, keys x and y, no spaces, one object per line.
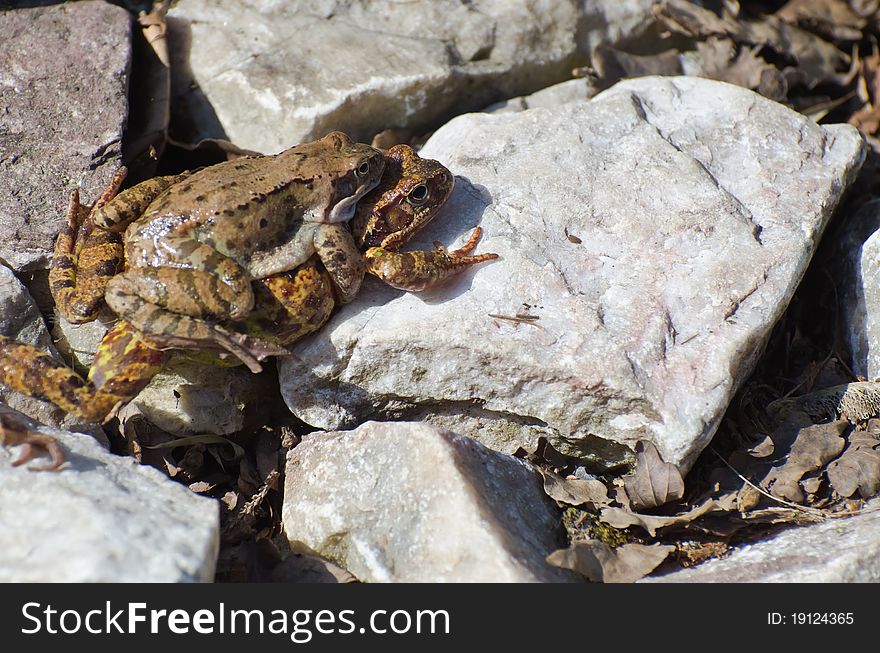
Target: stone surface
{"x":189,"y":398}
{"x":574,"y":90}
{"x":857,"y":255}
{"x":102,"y":518}
{"x":60,"y":127}
{"x":272,"y":73}
{"x":836,"y":551}
{"x":657,"y":232}
{"x":407,"y":502}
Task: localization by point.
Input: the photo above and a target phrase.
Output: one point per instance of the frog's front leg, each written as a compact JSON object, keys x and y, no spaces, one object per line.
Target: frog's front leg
{"x":337,"y":250}
{"x":421,"y":270}
{"x":89,"y":250}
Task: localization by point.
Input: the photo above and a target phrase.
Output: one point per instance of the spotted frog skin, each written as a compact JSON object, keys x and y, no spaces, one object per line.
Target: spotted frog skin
{"x":287,"y":306}
{"x":194,"y":243}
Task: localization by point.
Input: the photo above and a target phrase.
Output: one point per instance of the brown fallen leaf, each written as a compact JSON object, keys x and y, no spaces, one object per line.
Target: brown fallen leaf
{"x":575,"y":491}
{"x":809,"y":450}
{"x":598,"y":562}
{"x":654,"y":482}
{"x":858,"y":468}
{"x":818,"y":60}
{"x":833,"y":19}
{"x":620,"y":518}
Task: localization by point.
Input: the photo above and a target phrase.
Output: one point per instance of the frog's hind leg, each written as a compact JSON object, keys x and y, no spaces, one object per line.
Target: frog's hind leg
{"x":84,"y":259}
{"x":138,"y":299}
{"x":127,"y":366}
{"x":89,"y":250}
{"x":420,"y":270}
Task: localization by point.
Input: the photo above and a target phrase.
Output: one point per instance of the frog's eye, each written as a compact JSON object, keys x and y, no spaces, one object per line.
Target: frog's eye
{"x":363,"y":169}
{"x":418,"y":195}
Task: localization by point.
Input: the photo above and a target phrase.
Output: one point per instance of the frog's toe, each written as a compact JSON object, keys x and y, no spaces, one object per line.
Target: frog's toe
{"x":35,"y":444}
{"x":248,"y":349}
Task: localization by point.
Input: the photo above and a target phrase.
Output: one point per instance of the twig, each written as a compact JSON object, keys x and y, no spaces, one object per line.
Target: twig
{"x":812,"y":511}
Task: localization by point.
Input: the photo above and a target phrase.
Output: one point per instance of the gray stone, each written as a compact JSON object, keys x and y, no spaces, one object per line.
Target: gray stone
{"x":271,"y":74}
{"x":102,"y":518}
{"x":574,"y":90}
{"x":60,"y":124}
{"x":843,"y":550}
{"x":857,"y":254}
{"x":411,"y":503}
{"x":189,"y":397}
{"x":657,"y":232}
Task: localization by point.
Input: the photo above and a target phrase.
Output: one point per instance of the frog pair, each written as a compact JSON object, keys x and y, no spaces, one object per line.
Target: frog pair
{"x":241,"y":258}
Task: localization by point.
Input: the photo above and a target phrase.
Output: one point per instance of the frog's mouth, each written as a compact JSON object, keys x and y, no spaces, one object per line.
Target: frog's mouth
{"x":343,"y":210}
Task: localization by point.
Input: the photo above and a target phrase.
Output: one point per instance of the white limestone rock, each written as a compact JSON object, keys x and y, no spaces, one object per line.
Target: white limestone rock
{"x":857,"y":254}
{"x":657,"y":231}
{"x":101,"y":518}
{"x":837,"y":551}
{"x":270,"y":74}
{"x":405,"y":502}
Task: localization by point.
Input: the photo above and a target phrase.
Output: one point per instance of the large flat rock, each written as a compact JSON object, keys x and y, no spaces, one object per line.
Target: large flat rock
{"x":101,"y":518}
{"x":405,"y":502}
{"x":63,"y":106}
{"x":655,"y":233}
{"x":271,"y":74}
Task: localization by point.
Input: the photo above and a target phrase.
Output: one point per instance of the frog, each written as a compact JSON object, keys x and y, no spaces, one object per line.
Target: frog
{"x":287,"y":307}
{"x":193,"y":243}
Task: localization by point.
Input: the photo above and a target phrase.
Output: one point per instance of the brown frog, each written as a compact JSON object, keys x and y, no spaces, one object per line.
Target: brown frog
{"x":194,"y":242}
{"x":287,"y":306}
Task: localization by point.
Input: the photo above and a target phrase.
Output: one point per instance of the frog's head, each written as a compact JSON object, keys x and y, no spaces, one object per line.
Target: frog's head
{"x":349,"y":171}
{"x":409,"y":196}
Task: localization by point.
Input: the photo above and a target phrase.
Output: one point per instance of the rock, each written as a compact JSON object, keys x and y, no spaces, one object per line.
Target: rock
{"x":189,"y":398}
{"x":272,"y":74}
{"x":60,"y":127}
{"x":574,"y":90}
{"x":655,"y":233}
{"x":102,"y":518}
{"x":836,"y":551}
{"x":412,"y":503}
{"x":857,"y":254}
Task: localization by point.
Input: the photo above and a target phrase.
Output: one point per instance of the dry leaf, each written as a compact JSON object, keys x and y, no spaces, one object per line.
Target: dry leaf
{"x":810,"y":450}
{"x":653,"y":482}
{"x":834,"y":19}
{"x":575,"y":491}
{"x":598,"y":562}
{"x":818,"y":60}
{"x":620,"y":518}
{"x":858,"y":469}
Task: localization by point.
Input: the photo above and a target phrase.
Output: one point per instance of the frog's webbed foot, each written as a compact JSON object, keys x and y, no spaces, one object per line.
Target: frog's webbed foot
{"x":420,"y":270}
{"x":13,"y":432}
{"x":248,"y":349}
